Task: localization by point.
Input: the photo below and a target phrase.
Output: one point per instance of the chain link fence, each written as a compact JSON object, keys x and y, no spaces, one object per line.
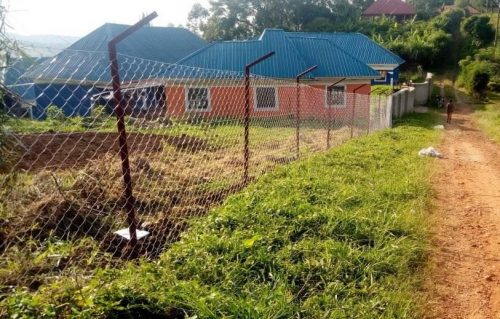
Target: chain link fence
{"x":62,"y":205}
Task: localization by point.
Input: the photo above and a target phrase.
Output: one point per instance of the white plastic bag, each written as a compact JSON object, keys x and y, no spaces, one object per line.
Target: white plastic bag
{"x":430,"y":152}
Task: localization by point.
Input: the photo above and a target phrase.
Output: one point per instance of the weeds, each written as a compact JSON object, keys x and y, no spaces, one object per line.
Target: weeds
{"x":338,"y":235}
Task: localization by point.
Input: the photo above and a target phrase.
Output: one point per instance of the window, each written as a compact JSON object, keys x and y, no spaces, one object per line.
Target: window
{"x":383,"y":76}
{"x":197,"y":99}
{"x":335,"y":96}
{"x":265,"y":98}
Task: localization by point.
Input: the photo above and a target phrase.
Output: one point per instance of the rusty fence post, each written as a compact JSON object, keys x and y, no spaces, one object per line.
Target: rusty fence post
{"x":119,"y":111}
{"x":246,"y":133}
{"x":297,"y":110}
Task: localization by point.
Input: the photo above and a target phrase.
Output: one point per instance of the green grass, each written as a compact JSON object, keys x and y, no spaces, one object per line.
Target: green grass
{"x":339,"y":235}
{"x":489,"y":116}
{"x":381,"y":89}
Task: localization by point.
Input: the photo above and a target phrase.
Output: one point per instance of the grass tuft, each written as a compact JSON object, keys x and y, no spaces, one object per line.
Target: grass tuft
{"x":338,"y":235}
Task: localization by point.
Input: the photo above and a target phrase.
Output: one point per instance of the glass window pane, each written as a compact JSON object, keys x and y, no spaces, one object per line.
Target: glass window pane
{"x":265,"y":97}
{"x":198,"y":99}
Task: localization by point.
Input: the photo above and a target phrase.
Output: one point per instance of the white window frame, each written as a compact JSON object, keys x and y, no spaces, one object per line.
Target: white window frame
{"x":276,"y":100}
{"x":336,"y":106}
{"x":384,"y":79}
{"x":186,"y":100}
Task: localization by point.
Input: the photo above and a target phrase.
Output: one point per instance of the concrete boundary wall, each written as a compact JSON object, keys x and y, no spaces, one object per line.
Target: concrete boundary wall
{"x":404,"y":101}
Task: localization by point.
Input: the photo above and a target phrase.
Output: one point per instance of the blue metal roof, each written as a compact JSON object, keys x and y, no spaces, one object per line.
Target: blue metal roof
{"x":164,"y":44}
{"x":332,"y":61}
{"x":234,"y":55}
{"x":15,"y":81}
{"x":293,"y":55}
{"x":140,"y":55}
{"x":357,"y":45}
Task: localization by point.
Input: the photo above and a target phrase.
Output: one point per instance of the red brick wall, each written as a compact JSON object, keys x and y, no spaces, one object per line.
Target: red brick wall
{"x":229,"y":102}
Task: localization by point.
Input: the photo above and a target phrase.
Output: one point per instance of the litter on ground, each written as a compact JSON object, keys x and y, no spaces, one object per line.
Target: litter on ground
{"x":430,"y":152}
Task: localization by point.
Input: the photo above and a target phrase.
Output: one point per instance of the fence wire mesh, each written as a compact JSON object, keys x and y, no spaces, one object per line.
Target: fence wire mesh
{"x":61,"y":192}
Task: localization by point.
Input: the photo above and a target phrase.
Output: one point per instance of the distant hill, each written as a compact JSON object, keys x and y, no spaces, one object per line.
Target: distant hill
{"x":43,"y":45}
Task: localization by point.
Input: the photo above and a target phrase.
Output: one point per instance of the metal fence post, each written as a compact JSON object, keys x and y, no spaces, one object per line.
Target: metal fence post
{"x":297,"y":111}
{"x":246,"y":133}
{"x":119,"y":111}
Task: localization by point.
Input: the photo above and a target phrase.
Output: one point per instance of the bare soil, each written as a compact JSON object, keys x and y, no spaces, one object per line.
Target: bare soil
{"x":74,"y":150}
{"x":464,"y":281}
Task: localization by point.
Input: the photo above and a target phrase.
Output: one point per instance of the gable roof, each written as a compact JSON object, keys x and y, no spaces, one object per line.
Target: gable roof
{"x":357,"y":45}
{"x":293,"y":54}
{"x":390,"y":8}
{"x":87,"y":59}
{"x":164,"y":44}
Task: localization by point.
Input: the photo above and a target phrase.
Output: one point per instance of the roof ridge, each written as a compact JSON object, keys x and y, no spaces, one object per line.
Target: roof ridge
{"x":384,"y":48}
{"x":195,"y":53}
{"x":392,"y":54}
{"x":297,"y":52}
{"x":338,"y":47}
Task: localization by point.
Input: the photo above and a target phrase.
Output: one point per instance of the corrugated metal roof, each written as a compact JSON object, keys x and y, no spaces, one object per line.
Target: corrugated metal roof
{"x":139,"y":54}
{"x":389,"y":7}
{"x":293,"y":55}
{"x":234,"y":55}
{"x":14,"y":80}
{"x":358,"y":45}
{"x":332,"y":61}
{"x":165,"y":44}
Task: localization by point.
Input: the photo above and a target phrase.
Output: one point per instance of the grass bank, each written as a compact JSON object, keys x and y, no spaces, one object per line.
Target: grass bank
{"x":489,"y":116}
{"x":339,"y":235}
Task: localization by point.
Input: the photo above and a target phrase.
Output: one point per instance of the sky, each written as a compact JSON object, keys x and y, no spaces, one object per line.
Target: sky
{"x":79,"y":17}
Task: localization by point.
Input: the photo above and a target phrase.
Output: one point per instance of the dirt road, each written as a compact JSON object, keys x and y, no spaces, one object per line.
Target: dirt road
{"x":465,"y":279}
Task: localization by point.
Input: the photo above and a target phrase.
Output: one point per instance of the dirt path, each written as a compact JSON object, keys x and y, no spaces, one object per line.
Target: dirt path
{"x":465,"y":279}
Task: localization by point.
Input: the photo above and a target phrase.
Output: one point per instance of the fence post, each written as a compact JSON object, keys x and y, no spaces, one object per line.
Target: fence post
{"x":246,"y":141}
{"x":297,"y":111}
{"x":119,"y":111}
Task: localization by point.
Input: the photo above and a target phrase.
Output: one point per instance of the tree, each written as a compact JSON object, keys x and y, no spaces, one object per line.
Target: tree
{"x":462,"y":3}
{"x":450,"y":21}
{"x":240,"y":19}
{"x":479,"y":30}
{"x":362,"y":4}
{"x":197,"y":18}
{"x":427,"y":9}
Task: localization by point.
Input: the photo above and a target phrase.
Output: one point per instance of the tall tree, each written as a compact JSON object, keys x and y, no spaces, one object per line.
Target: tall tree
{"x":237,"y":19}
{"x":479,"y":29}
{"x":362,"y":4}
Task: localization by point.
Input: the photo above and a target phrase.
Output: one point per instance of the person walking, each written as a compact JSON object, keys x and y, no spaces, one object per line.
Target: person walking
{"x":450,"y":108}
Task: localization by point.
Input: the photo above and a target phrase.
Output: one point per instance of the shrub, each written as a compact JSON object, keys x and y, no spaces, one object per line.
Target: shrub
{"x":475,"y":75}
{"x":479,"y":30}
{"x":99,"y":112}
{"x":7,"y":146}
{"x":55,"y":113}
{"x":449,"y":21}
